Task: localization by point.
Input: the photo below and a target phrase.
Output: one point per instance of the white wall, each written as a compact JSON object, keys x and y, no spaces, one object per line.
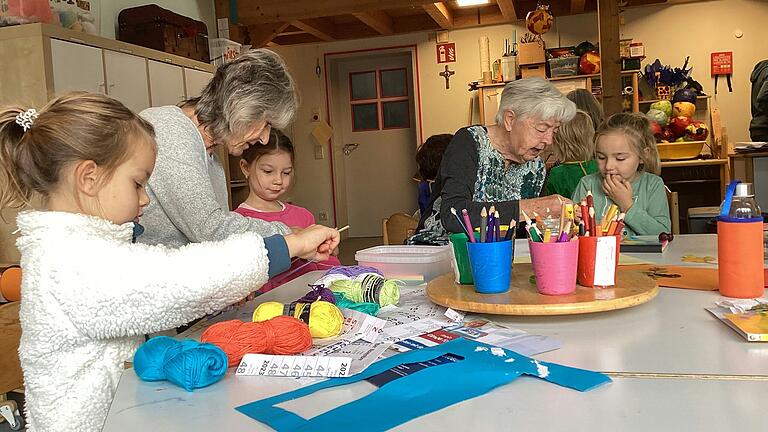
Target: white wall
{"x":201,"y":10}
{"x":669,"y":32}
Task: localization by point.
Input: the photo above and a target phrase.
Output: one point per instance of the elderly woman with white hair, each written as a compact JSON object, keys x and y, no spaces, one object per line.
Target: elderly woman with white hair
{"x":499,"y":165}
{"x":237,"y":109}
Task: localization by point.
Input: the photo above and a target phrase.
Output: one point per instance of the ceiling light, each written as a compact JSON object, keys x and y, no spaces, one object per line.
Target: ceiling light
{"x":465,"y":3}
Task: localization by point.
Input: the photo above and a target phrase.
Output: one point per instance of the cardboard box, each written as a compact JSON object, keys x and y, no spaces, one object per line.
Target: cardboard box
{"x":530,"y":71}
{"x":530,"y":53}
{"x":624,"y":47}
{"x":636,"y":50}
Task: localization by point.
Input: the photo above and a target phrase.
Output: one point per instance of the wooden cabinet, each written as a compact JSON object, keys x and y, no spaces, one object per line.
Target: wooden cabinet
{"x":166,"y":83}
{"x":41,"y":61}
{"x":196,"y":81}
{"x":76,"y":67}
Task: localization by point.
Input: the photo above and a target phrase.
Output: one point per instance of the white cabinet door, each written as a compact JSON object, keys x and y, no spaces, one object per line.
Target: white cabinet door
{"x":76,"y":67}
{"x":166,"y":84}
{"x":127,"y":79}
{"x":196,"y":81}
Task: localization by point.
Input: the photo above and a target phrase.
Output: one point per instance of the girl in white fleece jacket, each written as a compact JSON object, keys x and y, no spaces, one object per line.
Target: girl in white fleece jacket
{"x":88,"y":293}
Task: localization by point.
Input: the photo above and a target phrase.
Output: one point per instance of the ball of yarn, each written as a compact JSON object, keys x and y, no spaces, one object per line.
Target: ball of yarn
{"x":372,"y":289}
{"x":149,"y":358}
{"x":192,"y":364}
{"x":344,"y":273}
{"x":318,"y":292}
{"x":188,"y":364}
{"x":10,"y":284}
{"x":324,"y":319}
{"x":281,"y":335}
{"x":367,"y":308}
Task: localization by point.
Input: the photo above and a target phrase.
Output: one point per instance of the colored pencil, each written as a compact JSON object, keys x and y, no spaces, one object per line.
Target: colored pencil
{"x":608,"y":217}
{"x":510,"y":230}
{"x":562,"y":218}
{"x":569,"y":212}
{"x":530,"y":225}
{"x":612,"y":228}
{"x":581,"y":228}
{"x":532,"y":232}
{"x":592,"y":225}
{"x":491,"y":228}
{"x":590,"y":199}
{"x":469,"y":226}
{"x":564,"y":234}
{"x":498,"y":225}
{"x":461,"y":224}
{"x":584,"y":214}
{"x":536,"y":220}
{"x":547,"y":235}
{"x":483,"y":224}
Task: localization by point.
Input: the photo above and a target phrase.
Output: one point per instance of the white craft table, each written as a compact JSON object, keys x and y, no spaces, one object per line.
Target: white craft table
{"x":674,"y":367}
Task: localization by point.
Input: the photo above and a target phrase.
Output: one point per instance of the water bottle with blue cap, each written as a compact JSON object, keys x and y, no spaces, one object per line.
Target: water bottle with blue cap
{"x":740,"y":252}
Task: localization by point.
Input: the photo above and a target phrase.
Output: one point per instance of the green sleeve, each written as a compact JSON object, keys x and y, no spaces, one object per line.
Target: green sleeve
{"x":650,"y":213}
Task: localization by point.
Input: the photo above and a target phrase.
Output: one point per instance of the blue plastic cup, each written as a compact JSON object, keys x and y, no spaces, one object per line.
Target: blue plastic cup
{"x":491,"y":265}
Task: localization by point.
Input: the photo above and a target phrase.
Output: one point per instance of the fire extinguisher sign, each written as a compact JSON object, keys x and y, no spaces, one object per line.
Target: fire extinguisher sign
{"x":446,"y":52}
{"x":722,"y":63}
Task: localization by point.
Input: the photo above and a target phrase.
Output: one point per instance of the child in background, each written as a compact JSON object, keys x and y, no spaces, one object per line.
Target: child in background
{"x":428,"y":159}
{"x":90,"y":294}
{"x":268,"y":169}
{"x":585,"y":101}
{"x":574,"y":148}
{"x":629,"y":165}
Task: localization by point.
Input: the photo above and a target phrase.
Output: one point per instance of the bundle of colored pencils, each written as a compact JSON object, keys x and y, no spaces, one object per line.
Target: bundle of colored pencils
{"x":612,"y":223}
{"x":490,"y":226}
{"x":565,"y":230}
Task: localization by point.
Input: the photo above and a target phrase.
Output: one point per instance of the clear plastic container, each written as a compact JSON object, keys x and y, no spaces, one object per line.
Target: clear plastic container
{"x":744,"y":205}
{"x":411,"y":264}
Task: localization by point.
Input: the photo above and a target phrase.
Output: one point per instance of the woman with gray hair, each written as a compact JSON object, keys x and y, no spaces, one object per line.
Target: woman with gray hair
{"x":499,"y":165}
{"x":237,"y":109}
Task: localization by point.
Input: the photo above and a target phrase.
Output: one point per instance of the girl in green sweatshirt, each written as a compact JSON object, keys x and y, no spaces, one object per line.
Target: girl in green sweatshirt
{"x":573,"y":145}
{"x":628,"y":164}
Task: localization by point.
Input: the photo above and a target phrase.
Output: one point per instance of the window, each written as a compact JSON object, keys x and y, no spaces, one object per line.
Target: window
{"x":379,"y":99}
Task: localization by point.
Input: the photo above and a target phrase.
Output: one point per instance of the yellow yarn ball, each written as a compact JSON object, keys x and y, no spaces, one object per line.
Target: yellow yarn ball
{"x":323,"y":318}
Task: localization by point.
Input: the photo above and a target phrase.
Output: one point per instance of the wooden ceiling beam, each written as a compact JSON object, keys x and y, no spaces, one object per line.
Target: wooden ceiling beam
{"x":305,"y":38}
{"x":321,"y":28}
{"x":507,"y":8}
{"x":261,"y":35}
{"x":252,"y":12}
{"x":377,"y":20}
{"x":577,"y":6}
{"x":467,"y":21}
{"x":441,"y":13}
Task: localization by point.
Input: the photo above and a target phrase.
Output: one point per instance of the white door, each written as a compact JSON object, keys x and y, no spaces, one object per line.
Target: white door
{"x":196,"y":81}
{"x":76,"y":68}
{"x":374,"y":148}
{"x":166,"y":84}
{"x":127,"y":79}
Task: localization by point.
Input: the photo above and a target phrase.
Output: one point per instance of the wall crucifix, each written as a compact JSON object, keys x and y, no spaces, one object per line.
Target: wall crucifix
{"x":447,"y":75}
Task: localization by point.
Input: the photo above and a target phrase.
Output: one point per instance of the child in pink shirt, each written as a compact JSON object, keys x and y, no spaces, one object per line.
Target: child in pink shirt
{"x":268,"y":169}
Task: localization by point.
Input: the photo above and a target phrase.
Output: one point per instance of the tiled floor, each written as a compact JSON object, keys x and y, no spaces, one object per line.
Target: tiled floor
{"x":349,"y":246}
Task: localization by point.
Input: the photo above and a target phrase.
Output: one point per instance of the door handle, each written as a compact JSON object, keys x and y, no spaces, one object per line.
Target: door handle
{"x":349,"y":148}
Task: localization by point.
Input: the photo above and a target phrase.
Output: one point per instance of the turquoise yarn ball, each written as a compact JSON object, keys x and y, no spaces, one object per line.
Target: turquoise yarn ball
{"x":192,"y":364}
{"x":149,"y":358}
{"x":189,"y":364}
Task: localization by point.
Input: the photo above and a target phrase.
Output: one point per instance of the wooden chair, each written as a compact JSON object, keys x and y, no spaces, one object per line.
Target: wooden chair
{"x":674,"y":211}
{"x":398,"y":227}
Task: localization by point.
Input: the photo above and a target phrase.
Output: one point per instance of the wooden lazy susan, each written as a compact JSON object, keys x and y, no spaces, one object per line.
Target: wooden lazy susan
{"x":633,"y":287}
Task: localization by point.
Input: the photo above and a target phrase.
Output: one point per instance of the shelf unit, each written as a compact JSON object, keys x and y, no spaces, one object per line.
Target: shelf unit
{"x":488,"y":108}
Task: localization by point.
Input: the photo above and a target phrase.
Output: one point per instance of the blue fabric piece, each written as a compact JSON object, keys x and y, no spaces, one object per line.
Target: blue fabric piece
{"x":277,"y":252}
{"x":421,"y":391}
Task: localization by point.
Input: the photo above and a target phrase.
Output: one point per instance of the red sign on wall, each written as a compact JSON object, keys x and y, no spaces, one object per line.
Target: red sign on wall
{"x":722,"y":63}
{"x":446,"y":52}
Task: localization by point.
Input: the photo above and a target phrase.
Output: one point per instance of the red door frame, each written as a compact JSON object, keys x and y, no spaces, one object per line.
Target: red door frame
{"x":417,"y":91}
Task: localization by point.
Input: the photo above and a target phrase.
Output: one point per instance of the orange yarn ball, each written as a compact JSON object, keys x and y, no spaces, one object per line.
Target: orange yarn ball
{"x":10,"y":284}
{"x":282,"y":335}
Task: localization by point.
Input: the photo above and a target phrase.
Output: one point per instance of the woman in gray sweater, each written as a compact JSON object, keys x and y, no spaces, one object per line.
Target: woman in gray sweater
{"x":237,"y":109}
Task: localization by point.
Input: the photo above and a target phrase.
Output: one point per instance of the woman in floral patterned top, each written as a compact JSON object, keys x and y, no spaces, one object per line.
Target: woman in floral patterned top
{"x":499,"y":164}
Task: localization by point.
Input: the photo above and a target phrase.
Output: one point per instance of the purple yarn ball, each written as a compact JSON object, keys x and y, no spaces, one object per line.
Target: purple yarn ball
{"x":318,"y":292}
{"x":353,"y":271}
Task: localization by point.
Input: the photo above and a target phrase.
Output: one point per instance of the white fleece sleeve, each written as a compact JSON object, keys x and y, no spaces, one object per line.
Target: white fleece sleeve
{"x":133,"y":289}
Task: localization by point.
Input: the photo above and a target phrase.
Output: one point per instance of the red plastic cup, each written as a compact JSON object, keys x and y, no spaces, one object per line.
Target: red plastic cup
{"x":554,"y":265}
{"x":587,"y":260}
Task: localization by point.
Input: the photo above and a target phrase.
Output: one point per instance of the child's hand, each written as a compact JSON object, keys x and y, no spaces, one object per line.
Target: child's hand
{"x":619,"y":191}
{"x":316,"y":242}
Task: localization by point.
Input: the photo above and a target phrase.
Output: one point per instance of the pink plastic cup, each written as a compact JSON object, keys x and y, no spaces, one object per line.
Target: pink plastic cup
{"x":554,"y":265}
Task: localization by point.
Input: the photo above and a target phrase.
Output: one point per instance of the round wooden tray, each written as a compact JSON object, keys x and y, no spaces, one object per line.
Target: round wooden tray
{"x":633,"y":287}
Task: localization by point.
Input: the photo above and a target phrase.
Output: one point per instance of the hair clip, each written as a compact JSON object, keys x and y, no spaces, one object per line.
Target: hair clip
{"x":26,"y":118}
